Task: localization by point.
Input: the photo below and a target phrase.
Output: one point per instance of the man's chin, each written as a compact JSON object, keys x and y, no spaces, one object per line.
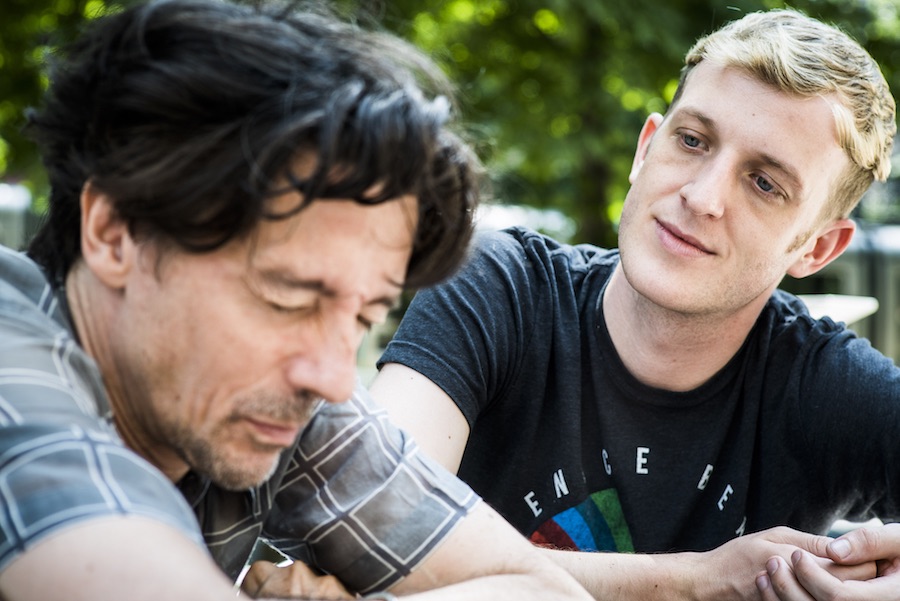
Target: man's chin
{"x":234,"y":476}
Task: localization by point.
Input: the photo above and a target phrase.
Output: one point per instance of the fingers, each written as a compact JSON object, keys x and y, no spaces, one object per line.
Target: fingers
{"x":256,"y":577}
{"x":866,"y":544}
{"x":823,"y":586}
{"x":861,"y":571}
{"x":265,"y":579}
{"x":814,"y":543}
{"x":778,"y":583}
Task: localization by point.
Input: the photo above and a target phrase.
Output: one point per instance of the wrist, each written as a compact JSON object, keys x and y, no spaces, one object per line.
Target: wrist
{"x":699,"y":577}
{"x":693,"y":582}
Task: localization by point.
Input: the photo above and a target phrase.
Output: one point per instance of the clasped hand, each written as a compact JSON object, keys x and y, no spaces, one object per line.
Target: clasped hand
{"x":265,"y":580}
{"x":803,"y":577}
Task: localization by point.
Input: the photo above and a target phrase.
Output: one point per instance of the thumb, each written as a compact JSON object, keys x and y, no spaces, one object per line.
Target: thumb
{"x":862,"y":544}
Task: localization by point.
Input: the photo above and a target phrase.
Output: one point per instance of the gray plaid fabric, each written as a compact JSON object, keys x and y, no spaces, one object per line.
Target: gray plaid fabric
{"x":59,"y":462}
{"x":355,"y":498}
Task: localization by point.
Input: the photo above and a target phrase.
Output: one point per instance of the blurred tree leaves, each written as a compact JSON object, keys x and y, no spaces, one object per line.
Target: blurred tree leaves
{"x":558,"y":89}
{"x":554,"y":92}
{"x":29,"y":29}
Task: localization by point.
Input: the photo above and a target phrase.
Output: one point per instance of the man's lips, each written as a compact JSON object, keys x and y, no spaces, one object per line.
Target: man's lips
{"x":274,"y":434}
{"x":678,"y":242}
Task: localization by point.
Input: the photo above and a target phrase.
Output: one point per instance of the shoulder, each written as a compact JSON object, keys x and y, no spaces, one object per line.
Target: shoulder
{"x":787,"y":316}
{"x":521,"y":251}
{"x":820,"y":347}
{"x":62,"y":463}
{"x":45,"y":374}
{"x":26,"y":297}
{"x":526,"y":241}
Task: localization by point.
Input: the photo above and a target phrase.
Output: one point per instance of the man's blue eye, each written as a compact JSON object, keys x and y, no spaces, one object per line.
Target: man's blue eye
{"x":764,"y":184}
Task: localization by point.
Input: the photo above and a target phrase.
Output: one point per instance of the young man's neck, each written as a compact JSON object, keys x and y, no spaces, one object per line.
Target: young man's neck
{"x":670,"y":350}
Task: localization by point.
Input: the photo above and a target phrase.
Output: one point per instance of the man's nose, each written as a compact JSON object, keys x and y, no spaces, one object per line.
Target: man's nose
{"x":326,"y":364}
{"x":705,"y":192}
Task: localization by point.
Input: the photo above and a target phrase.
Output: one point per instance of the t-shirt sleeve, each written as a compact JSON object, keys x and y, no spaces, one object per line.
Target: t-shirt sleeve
{"x":467,"y":334}
{"x":60,"y":462}
{"x":849,"y":418}
{"x":360,"y":501}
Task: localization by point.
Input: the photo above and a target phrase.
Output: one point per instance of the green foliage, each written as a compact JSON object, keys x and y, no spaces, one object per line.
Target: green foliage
{"x":557,"y":90}
{"x":29,"y":30}
{"x":554,"y":92}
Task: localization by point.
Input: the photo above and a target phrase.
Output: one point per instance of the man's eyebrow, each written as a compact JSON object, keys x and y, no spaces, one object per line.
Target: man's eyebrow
{"x":281,"y":279}
{"x":789,"y":172}
{"x":702,"y":118}
{"x":765,"y":158}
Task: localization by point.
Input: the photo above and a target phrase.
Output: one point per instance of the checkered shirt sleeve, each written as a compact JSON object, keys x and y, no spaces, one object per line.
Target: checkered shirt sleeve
{"x":360,"y":501}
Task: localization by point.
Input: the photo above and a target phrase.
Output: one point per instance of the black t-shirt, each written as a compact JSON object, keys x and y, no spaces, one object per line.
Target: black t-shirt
{"x":800,"y":428}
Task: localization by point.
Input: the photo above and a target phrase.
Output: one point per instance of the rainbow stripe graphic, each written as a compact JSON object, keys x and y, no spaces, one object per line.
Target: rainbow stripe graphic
{"x":597,"y":524}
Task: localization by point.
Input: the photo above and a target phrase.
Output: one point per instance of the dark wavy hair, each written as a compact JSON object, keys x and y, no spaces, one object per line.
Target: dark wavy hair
{"x":187,"y":112}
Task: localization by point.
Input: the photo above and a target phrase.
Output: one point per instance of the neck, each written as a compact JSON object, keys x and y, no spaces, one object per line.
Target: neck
{"x":668,"y":349}
{"x":94,"y":308}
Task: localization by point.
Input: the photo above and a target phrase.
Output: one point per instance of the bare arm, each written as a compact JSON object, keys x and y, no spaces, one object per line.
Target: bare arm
{"x":486,"y":559}
{"x":422,"y":408}
{"x":727,"y":572}
{"x":115,"y":558}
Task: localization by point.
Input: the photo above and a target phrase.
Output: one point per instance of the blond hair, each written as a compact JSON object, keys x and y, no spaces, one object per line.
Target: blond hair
{"x":802,"y":56}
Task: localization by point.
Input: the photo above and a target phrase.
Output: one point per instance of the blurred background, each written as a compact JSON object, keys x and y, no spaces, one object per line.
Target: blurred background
{"x":552,"y":93}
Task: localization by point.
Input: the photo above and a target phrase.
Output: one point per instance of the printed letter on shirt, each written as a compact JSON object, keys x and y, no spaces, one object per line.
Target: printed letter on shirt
{"x":606,"y":464}
{"x":642,"y":460}
{"x":724,"y":497}
{"x":559,"y":482}
{"x":534,"y":505}
{"x":704,"y":480}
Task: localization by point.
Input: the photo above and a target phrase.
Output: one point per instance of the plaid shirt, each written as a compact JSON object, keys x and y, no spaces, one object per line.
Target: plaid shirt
{"x":353,"y":498}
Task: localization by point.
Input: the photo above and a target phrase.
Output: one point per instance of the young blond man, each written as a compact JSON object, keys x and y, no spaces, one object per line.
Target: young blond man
{"x":665,"y":398}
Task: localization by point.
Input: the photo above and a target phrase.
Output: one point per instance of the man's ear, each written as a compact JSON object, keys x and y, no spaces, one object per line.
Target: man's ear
{"x":654,"y":120}
{"x":106,"y":244}
{"x":825,"y":248}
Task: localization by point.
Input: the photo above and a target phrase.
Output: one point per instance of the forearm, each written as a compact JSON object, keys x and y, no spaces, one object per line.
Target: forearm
{"x":484,"y":558}
{"x":664,"y":577}
{"x":725,"y":573}
{"x":549,"y":584}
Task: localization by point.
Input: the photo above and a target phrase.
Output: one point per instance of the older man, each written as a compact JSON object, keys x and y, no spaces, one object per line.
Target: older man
{"x":237,"y":195}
